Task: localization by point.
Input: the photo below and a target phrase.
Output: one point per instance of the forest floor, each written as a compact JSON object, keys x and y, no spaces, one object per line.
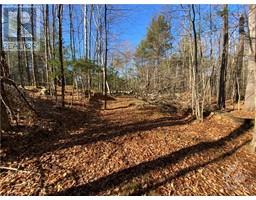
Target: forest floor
{"x":131,"y":148}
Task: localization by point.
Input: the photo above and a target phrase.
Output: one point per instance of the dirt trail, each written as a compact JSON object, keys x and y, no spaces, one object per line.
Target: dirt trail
{"x":129,"y":149}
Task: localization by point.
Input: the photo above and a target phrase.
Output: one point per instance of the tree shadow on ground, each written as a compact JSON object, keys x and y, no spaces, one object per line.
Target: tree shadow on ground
{"x":38,"y":141}
{"x":54,"y":124}
{"x":117,"y":178}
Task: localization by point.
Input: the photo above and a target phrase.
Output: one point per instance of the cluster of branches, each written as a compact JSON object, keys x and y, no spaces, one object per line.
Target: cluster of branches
{"x":201,"y":54}
{"x":74,"y":50}
{"x":77,"y":57}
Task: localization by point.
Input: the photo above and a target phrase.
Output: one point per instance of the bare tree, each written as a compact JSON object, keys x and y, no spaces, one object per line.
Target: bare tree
{"x":239,"y":61}
{"x":60,"y":14}
{"x":19,"y":46}
{"x":250,"y":87}
{"x":33,"y":54}
{"x":71,"y":32}
{"x":224,"y":60}
{"x":72,"y":47}
{"x":197,"y":104}
{"x":4,"y":67}
{"x":250,"y":101}
{"x":26,"y":56}
{"x":4,"y":120}
{"x":106,"y":56}
{"x":89,"y":51}
{"x":87,"y":30}
{"x":54,"y":7}
{"x":46,"y":41}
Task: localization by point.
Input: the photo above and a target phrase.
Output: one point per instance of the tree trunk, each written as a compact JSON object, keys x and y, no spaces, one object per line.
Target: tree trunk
{"x":71,"y":32}
{"x":239,"y":63}
{"x":26,"y":57}
{"x":250,"y":87}
{"x":106,"y":56}
{"x":60,"y":12}
{"x":33,"y":55}
{"x":20,"y":68}
{"x":53,"y":50}
{"x":4,"y":120}
{"x":4,"y":66}
{"x":72,"y":46}
{"x":195,"y":72}
{"x":224,"y":61}
{"x":250,"y":101}
{"x":89,"y":52}
{"x":46,"y":13}
{"x":86,"y":48}
{"x":27,"y":66}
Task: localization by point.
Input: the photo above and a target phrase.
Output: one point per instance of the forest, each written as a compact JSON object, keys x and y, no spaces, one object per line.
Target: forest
{"x":102,"y":99}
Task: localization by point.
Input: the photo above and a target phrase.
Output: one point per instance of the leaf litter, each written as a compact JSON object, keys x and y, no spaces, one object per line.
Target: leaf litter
{"x":131,"y":148}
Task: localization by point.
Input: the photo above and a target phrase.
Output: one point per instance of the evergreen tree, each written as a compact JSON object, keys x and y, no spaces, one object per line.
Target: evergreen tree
{"x":158,"y":40}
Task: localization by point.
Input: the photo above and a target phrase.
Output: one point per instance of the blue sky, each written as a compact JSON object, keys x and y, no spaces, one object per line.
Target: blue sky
{"x":131,"y":25}
{"x":135,"y":22}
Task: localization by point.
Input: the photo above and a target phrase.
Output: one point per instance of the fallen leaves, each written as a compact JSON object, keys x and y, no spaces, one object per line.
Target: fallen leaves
{"x":125,"y":150}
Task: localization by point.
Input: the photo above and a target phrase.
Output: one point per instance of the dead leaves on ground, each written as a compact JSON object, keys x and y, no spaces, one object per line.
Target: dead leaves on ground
{"x":128,"y":149}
